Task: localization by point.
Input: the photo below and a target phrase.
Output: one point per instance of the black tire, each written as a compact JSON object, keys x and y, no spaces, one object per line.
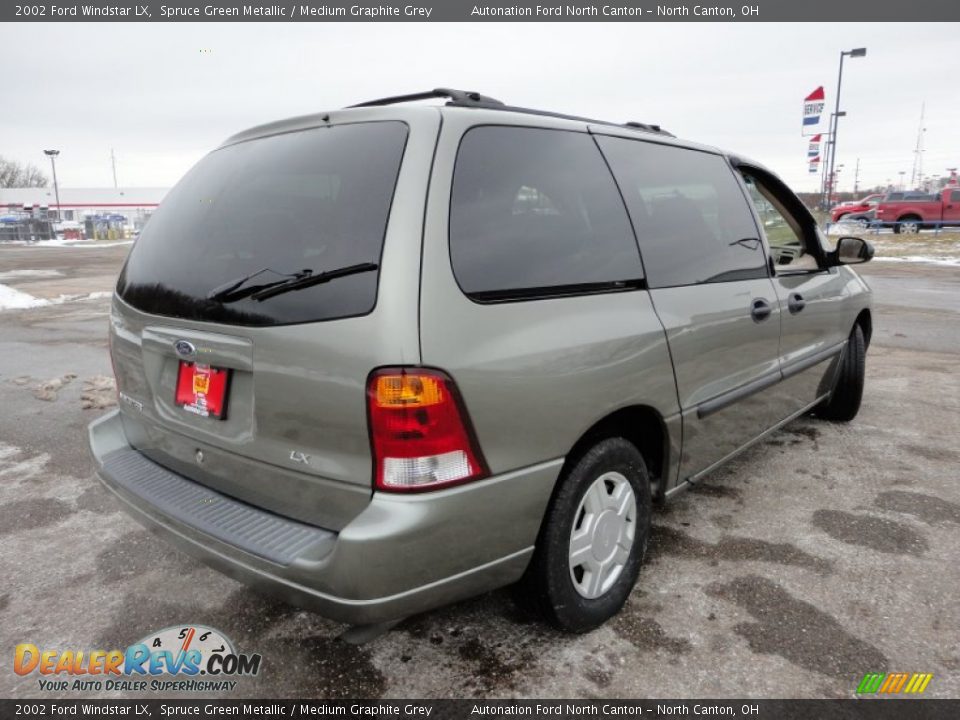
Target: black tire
{"x":547,"y":588}
{"x":844,"y":403}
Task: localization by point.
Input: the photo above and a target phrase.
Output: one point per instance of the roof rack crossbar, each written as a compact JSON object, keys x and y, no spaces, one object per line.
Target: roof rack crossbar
{"x":459,"y":97}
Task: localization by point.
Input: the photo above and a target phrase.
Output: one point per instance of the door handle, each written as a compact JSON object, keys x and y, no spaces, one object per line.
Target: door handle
{"x":760,"y":309}
{"x":796,"y":303}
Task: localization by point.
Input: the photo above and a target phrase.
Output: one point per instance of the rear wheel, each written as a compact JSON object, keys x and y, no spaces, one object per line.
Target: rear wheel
{"x":593,"y":540}
{"x":844,"y":403}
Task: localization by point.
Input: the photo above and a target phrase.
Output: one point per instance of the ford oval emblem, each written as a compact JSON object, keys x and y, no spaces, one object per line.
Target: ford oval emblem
{"x":184,"y":348}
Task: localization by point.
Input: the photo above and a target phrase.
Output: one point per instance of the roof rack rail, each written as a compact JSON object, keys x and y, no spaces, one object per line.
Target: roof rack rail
{"x":458,"y":97}
{"x":469,"y":98}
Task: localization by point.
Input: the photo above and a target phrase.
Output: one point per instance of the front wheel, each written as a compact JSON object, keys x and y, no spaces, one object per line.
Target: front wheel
{"x":844,"y":404}
{"x":593,"y":539}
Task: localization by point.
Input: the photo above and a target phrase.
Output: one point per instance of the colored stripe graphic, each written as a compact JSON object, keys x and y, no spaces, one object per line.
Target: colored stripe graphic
{"x":918,"y":683}
{"x":815,"y":95}
{"x":893,"y":683}
{"x":870,"y":683}
{"x":811,"y":120}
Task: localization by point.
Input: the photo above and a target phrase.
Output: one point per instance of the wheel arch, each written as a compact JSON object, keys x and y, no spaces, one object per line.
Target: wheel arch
{"x":641,"y":425}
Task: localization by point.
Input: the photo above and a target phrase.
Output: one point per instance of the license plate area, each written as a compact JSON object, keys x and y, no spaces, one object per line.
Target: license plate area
{"x":202,"y":389}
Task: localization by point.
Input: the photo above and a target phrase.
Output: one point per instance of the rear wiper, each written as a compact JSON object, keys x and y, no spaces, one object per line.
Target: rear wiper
{"x":305,"y":281}
{"x":223,"y":293}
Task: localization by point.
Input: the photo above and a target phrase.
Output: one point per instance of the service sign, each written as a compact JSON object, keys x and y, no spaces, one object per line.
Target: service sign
{"x":813,"y":105}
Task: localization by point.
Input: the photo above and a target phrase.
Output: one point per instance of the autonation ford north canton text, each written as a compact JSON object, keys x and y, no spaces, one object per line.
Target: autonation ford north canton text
{"x":612,"y":11}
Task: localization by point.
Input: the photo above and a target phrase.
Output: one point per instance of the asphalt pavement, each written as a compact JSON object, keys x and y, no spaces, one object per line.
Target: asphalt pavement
{"x":826,"y":552}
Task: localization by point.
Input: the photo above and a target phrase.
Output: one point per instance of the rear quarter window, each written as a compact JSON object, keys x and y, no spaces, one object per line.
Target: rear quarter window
{"x":316,"y":199}
{"x":536,"y":212}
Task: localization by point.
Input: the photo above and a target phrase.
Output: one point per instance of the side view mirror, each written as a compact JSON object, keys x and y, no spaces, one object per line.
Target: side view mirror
{"x":851,"y":251}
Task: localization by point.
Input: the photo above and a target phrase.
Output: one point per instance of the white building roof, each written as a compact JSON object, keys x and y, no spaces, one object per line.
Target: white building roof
{"x":83,"y":197}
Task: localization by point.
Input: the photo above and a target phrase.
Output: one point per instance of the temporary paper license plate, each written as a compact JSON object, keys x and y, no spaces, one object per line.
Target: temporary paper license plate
{"x":202,"y":389}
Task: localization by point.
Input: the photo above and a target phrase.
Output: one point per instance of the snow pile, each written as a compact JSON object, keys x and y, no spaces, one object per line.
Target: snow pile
{"x":11,"y":299}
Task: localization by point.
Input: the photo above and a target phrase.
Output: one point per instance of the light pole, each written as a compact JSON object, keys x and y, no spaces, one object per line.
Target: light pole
{"x":856,"y":52}
{"x":56,"y":188}
{"x":901,"y":173}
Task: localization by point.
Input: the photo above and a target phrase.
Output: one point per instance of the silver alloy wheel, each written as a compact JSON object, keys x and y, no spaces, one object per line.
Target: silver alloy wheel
{"x":602,"y":534}
{"x":910,"y":227}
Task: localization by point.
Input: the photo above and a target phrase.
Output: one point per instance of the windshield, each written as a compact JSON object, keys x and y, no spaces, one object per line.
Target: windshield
{"x":315,"y":199}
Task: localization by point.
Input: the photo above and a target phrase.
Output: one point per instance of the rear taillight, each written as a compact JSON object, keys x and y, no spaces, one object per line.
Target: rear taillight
{"x":419,"y":431}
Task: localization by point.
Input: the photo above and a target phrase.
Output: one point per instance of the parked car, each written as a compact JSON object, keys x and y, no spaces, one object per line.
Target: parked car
{"x":406,"y":354}
{"x":911,"y":214}
{"x":856,"y":209}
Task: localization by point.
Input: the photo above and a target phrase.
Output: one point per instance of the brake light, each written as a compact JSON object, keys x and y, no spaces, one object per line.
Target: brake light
{"x":419,"y":431}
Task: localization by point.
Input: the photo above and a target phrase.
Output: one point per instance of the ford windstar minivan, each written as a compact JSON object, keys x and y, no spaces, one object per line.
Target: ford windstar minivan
{"x":384,"y":358}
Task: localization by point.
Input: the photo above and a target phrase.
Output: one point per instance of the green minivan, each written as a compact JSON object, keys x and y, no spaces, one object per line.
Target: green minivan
{"x":384,"y":358}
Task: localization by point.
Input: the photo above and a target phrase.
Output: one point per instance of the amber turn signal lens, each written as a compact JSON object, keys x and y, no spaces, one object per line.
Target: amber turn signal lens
{"x":408,"y":390}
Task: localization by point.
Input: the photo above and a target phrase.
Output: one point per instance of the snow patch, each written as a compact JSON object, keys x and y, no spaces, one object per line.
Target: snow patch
{"x":12,"y":299}
{"x":948,"y":261}
{"x":70,"y":243}
{"x":14,"y":274}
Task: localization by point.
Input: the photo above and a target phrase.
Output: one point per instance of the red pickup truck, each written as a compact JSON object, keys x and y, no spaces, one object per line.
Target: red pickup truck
{"x":909,"y":216}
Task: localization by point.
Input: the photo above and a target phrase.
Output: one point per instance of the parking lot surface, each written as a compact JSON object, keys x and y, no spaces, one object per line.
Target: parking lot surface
{"x":824,"y":553}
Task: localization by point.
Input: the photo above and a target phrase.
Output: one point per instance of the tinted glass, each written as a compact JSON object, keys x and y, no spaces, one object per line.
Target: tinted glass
{"x":955,"y":196}
{"x":316,"y":199}
{"x":534,"y":209}
{"x":691,"y":218}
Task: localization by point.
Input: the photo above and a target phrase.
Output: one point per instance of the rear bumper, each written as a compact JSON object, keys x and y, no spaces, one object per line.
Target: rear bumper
{"x":401,"y":555}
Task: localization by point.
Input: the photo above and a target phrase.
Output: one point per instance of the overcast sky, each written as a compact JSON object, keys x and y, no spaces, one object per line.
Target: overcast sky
{"x":162,"y":95}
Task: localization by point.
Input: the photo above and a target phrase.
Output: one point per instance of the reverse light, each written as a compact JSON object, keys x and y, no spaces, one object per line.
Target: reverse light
{"x":419,"y":431}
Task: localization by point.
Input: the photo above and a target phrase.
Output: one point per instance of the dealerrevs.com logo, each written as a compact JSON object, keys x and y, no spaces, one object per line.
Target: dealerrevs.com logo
{"x":180,"y":658}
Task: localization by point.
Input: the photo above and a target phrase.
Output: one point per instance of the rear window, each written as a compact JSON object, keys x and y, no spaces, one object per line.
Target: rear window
{"x":535,"y":213}
{"x":315,"y":200}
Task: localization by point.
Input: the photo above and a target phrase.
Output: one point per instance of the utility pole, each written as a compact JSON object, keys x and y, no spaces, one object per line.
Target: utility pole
{"x":856,"y":177}
{"x":52,"y":154}
{"x":917,"y":171}
{"x":113,"y":164}
{"x":824,"y":163}
{"x":856,"y":52}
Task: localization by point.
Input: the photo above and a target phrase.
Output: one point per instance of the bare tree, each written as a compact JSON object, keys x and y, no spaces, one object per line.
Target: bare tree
{"x":17,"y":175}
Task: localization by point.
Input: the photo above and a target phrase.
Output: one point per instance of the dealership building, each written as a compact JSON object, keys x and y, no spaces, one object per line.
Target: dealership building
{"x":135,"y":205}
